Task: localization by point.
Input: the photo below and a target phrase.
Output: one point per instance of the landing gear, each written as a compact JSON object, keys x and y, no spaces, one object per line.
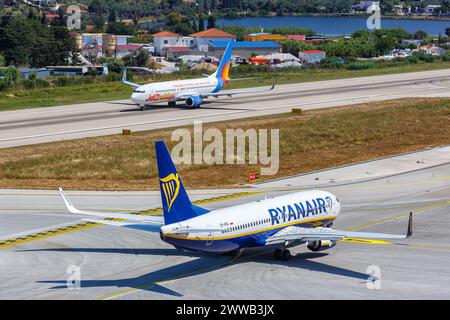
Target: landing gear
{"x":142,"y":107}
{"x":172,"y":103}
{"x":281,"y":254}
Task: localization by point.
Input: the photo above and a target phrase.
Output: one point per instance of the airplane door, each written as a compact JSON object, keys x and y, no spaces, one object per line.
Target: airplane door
{"x":209,"y":241}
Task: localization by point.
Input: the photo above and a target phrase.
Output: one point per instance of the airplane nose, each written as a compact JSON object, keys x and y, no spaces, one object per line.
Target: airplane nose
{"x":136,"y":98}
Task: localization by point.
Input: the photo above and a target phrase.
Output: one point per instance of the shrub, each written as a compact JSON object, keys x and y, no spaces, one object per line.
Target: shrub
{"x":361,"y":65}
{"x":412,"y":59}
{"x":34,"y":83}
{"x":421,"y":55}
{"x":446,"y":56}
{"x":8,"y":77}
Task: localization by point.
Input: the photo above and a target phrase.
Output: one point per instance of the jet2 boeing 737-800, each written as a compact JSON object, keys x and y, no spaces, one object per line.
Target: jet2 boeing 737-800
{"x":191,"y":91}
{"x":280,"y":222}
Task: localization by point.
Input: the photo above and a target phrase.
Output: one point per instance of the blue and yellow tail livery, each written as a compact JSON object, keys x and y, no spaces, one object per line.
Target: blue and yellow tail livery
{"x":222,"y":72}
{"x":175,"y":201}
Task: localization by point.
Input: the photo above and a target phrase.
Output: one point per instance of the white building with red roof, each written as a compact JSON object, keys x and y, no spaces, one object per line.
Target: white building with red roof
{"x":165,"y":40}
{"x":202,"y":38}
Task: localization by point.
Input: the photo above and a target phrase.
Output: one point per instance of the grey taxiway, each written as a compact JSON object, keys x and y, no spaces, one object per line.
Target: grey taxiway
{"x":40,"y":125}
{"x":118,"y":263}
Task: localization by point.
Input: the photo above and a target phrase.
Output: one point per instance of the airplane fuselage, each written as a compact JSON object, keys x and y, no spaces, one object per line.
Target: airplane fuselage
{"x":176,"y":90}
{"x":249,"y":225}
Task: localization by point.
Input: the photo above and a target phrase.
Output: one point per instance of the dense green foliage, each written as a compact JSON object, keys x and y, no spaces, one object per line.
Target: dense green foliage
{"x":28,"y":41}
{"x":362,"y":44}
{"x":8,"y":77}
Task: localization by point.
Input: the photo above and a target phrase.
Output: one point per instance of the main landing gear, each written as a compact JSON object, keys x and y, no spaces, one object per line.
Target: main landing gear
{"x":281,"y":254}
{"x":142,"y":107}
{"x":172,"y":103}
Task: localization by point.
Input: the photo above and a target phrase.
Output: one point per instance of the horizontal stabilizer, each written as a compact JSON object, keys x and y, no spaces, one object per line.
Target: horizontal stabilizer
{"x":127,"y":216}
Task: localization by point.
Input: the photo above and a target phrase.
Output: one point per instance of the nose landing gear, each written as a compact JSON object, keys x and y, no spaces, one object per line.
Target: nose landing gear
{"x":281,"y":254}
{"x":142,"y":107}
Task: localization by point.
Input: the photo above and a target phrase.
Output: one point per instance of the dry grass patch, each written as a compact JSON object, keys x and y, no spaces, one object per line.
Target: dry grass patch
{"x":312,"y":140}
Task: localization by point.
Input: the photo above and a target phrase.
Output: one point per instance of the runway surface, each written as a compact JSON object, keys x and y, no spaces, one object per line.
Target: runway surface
{"x":118,"y":263}
{"x":39,"y":125}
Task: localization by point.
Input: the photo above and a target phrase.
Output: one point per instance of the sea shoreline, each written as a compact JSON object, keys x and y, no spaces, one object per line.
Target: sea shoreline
{"x":346,"y":15}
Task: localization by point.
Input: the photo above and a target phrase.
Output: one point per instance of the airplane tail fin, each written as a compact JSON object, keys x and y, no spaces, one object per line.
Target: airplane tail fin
{"x":224,"y":65}
{"x":175,"y":201}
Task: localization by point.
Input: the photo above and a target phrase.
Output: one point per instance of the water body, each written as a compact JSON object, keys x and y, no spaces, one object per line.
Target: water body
{"x":334,"y":26}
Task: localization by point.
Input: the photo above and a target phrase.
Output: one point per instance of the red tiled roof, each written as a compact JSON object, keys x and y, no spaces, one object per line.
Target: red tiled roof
{"x":213,"y":33}
{"x":296,"y":36}
{"x":177,"y":48}
{"x":312,"y":51}
{"x":167,"y":34}
{"x":52,"y":16}
{"x":128,"y":46}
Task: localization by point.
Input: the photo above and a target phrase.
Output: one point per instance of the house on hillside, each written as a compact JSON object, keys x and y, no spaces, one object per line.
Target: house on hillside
{"x":264,"y":36}
{"x":432,"y":9}
{"x":165,"y":40}
{"x":39,"y":73}
{"x":311,"y":56}
{"x":298,"y":37}
{"x":202,"y":39}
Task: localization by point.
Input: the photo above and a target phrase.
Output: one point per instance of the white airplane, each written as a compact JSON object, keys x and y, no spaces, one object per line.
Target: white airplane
{"x":281,"y":222}
{"x":191,"y":91}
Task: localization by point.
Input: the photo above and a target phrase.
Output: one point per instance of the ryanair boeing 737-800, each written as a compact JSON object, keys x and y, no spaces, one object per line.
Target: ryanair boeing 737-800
{"x":191,"y":91}
{"x":280,"y":222}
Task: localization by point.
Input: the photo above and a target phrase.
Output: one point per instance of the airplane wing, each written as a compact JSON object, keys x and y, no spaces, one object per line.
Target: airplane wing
{"x":232,"y":93}
{"x":141,"y":219}
{"x":128,"y":83}
{"x":300,"y":235}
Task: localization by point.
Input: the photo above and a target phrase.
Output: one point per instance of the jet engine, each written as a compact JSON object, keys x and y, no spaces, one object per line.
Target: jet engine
{"x":194,"y":101}
{"x":320,"y":245}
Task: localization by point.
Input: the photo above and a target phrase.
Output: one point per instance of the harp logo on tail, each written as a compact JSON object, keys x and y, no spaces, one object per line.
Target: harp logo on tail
{"x":171,"y":187}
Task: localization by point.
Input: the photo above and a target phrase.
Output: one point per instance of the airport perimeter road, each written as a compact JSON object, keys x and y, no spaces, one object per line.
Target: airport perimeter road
{"x":118,"y":263}
{"x":39,"y":125}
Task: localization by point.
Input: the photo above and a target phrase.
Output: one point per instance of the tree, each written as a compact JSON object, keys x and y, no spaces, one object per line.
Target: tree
{"x":447,"y":31}
{"x":2,"y":61}
{"x":201,"y":23}
{"x":142,"y":57}
{"x":420,"y":35}
{"x":28,"y":41}
{"x":120,"y":28}
{"x":112,"y":16}
{"x":211,"y":22}
{"x":99,"y":22}
{"x":384,"y":44}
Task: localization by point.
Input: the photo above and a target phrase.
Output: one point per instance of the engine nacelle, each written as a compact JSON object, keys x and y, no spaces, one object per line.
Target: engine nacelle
{"x":194,"y":101}
{"x":320,"y":245}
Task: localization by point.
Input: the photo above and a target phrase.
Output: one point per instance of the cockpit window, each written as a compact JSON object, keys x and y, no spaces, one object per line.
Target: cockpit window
{"x":139,"y":91}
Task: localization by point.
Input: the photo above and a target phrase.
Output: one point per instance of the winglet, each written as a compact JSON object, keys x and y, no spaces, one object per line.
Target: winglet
{"x":410,"y":225}
{"x":128,"y":83}
{"x":67,"y":202}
